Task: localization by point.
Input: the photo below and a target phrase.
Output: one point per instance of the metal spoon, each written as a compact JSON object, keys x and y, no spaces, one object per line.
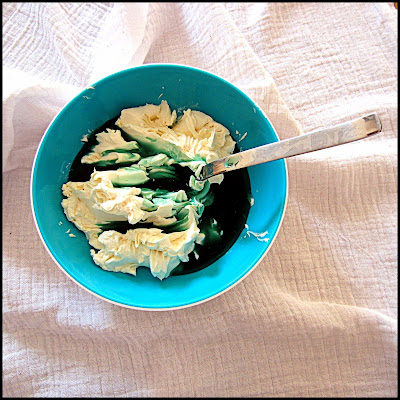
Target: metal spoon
{"x":346,"y":132}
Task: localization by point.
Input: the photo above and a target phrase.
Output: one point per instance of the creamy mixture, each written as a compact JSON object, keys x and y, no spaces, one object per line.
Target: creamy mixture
{"x":130,"y":166}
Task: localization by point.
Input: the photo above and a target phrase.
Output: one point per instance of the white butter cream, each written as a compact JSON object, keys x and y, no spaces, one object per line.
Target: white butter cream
{"x":108,"y":141}
{"x":153,"y":248}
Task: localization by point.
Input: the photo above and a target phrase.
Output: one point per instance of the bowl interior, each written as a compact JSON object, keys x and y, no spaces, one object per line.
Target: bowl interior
{"x":183,"y":87}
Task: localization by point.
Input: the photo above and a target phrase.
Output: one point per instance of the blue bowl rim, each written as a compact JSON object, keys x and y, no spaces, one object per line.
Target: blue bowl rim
{"x":156,"y":308}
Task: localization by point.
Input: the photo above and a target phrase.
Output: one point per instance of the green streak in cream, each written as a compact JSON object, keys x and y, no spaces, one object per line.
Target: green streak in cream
{"x":156,"y":161}
{"x":231,"y":161}
{"x":163,"y":172}
{"x":128,"y":176}
{"x":153,"y":144}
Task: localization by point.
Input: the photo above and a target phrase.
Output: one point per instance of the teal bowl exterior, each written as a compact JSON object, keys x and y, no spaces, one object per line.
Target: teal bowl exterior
{"x":183,"y":87}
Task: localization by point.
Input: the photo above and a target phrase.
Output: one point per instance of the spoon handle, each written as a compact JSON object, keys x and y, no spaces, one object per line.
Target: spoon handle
{"x":319,"y":139}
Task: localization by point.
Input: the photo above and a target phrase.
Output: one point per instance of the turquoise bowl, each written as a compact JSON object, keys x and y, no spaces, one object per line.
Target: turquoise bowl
{"x":183,"y":87}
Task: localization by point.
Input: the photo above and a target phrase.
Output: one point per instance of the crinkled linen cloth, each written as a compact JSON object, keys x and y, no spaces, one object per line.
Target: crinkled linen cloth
{"x":318,"y":316}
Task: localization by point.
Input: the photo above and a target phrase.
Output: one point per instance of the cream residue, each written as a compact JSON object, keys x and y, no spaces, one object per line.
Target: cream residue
{"x":245,"y":134}
{"x":258,"y":235}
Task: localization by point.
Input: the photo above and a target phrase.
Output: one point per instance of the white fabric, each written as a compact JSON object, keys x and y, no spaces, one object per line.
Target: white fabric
{"x":318,"y":316}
